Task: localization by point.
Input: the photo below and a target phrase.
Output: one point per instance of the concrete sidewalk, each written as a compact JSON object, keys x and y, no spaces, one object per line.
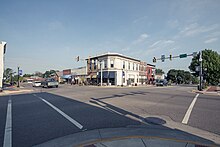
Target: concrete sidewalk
{"x":133,"y":137}
{"x":14,"y":90}
{"x":211,"y":90}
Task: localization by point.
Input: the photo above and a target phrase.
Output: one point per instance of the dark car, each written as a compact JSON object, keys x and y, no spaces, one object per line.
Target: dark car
{"x":160,"y":82}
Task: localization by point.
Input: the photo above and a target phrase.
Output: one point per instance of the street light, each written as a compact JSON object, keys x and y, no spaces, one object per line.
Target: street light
{"x":100,"y":61}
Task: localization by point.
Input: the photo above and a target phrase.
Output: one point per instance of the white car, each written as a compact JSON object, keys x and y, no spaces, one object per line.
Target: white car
{"x":36,"y":83}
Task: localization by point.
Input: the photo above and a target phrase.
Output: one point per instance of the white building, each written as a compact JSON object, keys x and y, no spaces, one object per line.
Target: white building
{"x":2,"y":52}
{"x":117,"y":69}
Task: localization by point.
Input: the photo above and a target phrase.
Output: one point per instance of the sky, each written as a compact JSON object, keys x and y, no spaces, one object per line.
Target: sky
{"x":49,"y":34}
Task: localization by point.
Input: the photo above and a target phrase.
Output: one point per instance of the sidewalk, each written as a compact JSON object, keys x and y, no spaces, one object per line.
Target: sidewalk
{"x":131,"y":137}
{"x":211,"y":90}
{"x":14,"y":90}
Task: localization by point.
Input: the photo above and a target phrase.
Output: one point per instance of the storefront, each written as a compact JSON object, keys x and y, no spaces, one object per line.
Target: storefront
{"x":108,"y":77}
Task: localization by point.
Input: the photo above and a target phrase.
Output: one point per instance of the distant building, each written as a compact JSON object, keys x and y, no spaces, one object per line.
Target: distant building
{"x":150,"y":73}
{"x":76,"y":75}
{"x":2,"y":52}
{"x":117,"y":69}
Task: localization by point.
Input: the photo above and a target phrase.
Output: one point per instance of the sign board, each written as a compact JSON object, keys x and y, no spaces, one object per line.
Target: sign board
{"x":20,"y":72}
{"x":183,"y":55}
{"x":163,"y":58}
{"x":197,"y":68}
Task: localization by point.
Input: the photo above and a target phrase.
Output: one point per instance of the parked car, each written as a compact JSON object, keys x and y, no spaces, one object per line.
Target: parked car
{"x":160,"y":82}
{"x":36,"y":83}
{"x":50,"y":82}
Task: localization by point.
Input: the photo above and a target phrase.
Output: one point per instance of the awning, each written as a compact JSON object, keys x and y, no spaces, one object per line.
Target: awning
{"x":66,"y":76}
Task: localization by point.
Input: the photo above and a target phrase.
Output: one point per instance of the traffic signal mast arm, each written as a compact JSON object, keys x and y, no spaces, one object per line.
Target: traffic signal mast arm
{"x":177,"y":56}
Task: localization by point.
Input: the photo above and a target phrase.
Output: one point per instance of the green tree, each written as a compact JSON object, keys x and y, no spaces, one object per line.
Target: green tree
{"x":172,"y":75}
{"x":47,"y":74}
{"x":27,"y":75}
{"x":159,"y":71}
{"x":211,"y":66}
{"x":179,"y":76}
{"x":8,"y":73}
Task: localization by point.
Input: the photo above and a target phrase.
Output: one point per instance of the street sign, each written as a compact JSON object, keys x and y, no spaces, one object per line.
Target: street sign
{"x":20,"y":72}
{"x":183,"y":55}
{"x":162,"y":58}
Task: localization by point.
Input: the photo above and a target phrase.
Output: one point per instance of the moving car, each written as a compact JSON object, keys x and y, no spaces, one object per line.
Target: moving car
{"x":50,"y":82}
{"x":36,"y":83}
{"x":160,"y":82}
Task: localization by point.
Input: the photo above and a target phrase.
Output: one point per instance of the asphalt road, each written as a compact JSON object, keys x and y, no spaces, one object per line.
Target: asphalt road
{"x":51,"y":113}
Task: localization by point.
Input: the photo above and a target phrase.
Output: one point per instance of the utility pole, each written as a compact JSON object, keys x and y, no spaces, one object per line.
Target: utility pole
{"x":101,"y":71}
{"x":200,"y":72}
{"x":18,"y":77}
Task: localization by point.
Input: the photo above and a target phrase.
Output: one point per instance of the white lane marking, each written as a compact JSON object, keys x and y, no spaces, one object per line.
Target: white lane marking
{"x":8,"y":126}
{"x":62,"y":113}
{"x":188,"y":112}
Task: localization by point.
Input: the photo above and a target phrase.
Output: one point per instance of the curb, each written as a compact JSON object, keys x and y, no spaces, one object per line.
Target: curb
{"x":89,"y":138}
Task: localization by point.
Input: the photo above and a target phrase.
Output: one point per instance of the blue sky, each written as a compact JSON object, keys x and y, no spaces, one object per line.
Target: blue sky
{"x":49,"y":34}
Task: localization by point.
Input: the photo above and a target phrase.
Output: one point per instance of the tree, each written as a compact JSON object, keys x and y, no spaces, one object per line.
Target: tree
{"x":8,"y":73}
{"x":172,"y":75}
{"x":47,"y":74}
{"x":27,"y":75}
{"x":179,"y":76}
{"x":39,"y":74}
{"x":159,"y":71}
{"x":211,"y":66}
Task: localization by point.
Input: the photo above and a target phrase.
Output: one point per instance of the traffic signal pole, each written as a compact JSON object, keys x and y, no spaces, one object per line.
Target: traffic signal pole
{"x":200,"y":72}
{"x":18,"y":78}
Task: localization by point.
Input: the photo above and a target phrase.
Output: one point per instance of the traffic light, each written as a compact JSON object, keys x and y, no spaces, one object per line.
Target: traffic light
{"x":154,"y":60}
{"x":170,"y":57}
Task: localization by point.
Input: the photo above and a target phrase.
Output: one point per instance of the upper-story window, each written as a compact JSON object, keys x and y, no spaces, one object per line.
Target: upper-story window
{"x":112,"y":63}
{"x":123,"y":65}
{"x":133,"y":66}
{"x":105,"y":64}
{"x":90,"y":65}
{"x":137,"y":67}
{"x":95,"y":62}
{"x":129,"y":65}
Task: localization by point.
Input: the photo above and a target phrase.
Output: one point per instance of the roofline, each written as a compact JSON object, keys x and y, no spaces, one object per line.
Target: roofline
{"x":113,"y":54}
{"x":151,"y":65}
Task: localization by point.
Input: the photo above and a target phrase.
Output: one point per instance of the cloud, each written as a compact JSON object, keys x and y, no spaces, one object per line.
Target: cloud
{"x":140,"y":19}
{"x":211,"y":40}
{"x":140,"y":39}
{"x":55,"y":25}
{"x":160,"y":45}
{"x":195,"y":29}
{"x":173,"y":23}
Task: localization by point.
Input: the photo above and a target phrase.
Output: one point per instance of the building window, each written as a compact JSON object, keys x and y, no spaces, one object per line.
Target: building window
{"x":94,"y":64}
{"x":123,"y":64}
{"x":112,"y":63}
{"x":105,"y":63}
{"x":133,"y":65}
{"x":137,"y":67}
{"x":90,"y":66}
{"x":129,"y":65}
